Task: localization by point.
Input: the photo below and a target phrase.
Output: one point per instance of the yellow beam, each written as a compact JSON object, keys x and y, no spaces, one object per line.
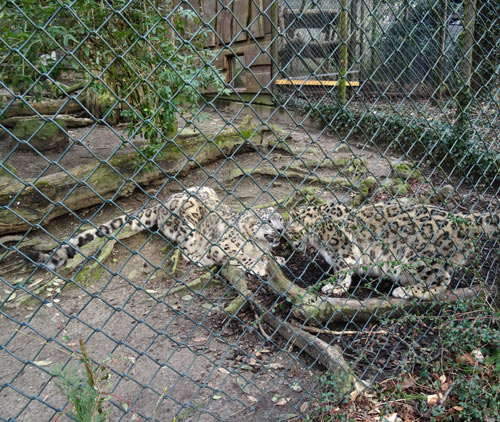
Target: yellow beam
{"x":313,"y":82}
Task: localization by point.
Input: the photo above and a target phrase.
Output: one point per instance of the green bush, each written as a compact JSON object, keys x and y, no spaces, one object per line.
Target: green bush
{"x":448,"y":147}
{"x":141,"y":59}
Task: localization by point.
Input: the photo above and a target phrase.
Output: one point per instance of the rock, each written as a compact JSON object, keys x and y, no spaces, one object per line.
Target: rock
{"x":396,"y":187}
{"x":445,"y":192}
{"x":3,"y":134}
{"x":367,"y":186}
{"x":47,"y":135}
{"x":399,"y":188}
{"x":406,"y":171}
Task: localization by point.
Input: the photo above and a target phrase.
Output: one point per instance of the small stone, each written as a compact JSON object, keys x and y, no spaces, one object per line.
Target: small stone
{"x":445,"y":191}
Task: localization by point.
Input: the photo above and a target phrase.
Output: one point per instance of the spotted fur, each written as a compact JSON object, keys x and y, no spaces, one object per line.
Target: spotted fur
{"x":415,"y":245}
{"x":205,"y":230}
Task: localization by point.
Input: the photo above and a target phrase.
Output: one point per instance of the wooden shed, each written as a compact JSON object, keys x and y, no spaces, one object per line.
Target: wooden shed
{"x":266,"y":43}
{"x":241,"y":31}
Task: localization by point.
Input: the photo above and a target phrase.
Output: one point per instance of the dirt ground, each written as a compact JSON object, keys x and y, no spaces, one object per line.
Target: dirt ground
{"x":170,"y":356}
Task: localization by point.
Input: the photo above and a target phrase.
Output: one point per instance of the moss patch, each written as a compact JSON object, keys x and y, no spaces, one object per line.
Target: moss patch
{"x":406,"y":171}
{"x":367,"y":186}
{"x":41,"y":135}
{"x":6,"y":172}
{"x":397,"y":187}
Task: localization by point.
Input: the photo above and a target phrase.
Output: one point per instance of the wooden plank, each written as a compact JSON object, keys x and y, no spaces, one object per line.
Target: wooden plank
{"x":242,"y":12}
{"x":313,"y":82}
{"x":224,"y":21}
{"x":257,"y":28}
{"x":220,"y":61}
{"x":268,"y":27}
{"x":258,"y":79}
{"x":208,"y":10}
{"x":255,"y":56}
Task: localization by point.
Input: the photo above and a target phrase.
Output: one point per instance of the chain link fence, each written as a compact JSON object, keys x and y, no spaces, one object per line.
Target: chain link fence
{"x":113,"y":107}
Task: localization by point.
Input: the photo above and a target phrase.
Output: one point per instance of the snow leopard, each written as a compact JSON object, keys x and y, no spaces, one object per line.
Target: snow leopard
{"x":204,"y":228}
{"x":415,"y":245}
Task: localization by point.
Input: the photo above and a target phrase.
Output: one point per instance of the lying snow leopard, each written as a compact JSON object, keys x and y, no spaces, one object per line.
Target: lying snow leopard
{"x":415,"y":245}
{"x":204,"y":229}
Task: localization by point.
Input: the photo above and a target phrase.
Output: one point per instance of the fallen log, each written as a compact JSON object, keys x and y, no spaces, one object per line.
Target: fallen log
{"x":38,"y":201}
{"x":327,"y":355}
{"x":70,"y":121}
{"x":44,"y":107}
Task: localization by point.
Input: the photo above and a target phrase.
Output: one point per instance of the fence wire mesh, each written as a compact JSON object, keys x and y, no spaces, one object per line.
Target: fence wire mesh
{"x":211,"y":126}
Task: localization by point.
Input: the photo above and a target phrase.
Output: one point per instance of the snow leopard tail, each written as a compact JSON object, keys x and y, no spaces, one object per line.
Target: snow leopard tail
{"x":54,"y":260}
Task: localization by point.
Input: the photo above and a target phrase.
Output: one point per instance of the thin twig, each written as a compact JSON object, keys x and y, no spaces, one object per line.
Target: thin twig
{"x":317,"y":330}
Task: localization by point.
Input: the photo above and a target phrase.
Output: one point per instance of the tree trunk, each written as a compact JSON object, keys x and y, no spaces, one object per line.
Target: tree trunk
{"x":353,"y":40}
{"x":373,"y":38}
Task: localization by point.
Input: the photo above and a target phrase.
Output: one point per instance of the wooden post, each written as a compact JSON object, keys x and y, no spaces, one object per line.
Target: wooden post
{"x":373,"y":36}
{"x":442,"y":36}
{"x":465,"y":65}
{"x":343,"y":33}
{"x":353,"y":40}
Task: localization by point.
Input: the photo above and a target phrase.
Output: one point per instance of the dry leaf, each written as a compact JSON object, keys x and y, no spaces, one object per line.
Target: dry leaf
{"x":458,"y":408}
{"x":282,"y":401}
{"x":252,"y":362}
{"x":252,"y":399}
{"x":442,"y":378}
{"x":223,"y":371}
{"x":243,"y":384}
{"x":467,"y":358}
{"x":303,"y":407}
{"x":433,"y":399}
{"x":42,"y":362}
{"x":478,"y":355}
{"x":200,"y":339}
{"x":407,"y":382}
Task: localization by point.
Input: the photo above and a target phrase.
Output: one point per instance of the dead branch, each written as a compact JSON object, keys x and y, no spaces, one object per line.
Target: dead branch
{"x":314,"y":308}
{"x":329,"y":356}
{"x":237,"y":279}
